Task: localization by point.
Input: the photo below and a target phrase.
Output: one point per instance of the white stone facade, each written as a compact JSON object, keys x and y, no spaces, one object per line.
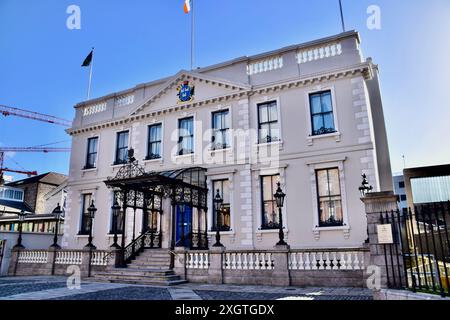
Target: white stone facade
{"x":240,"y":86}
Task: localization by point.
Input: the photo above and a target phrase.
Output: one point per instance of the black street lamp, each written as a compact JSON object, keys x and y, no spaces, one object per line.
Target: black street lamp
{"x":218,"y":201}
{"x":115,"y":212}
{"x":365,"y":187}
{"x":91,"y":212}
{"x":57,"y":212}
{"x":22,"y":214}
{"x":279,"y":198}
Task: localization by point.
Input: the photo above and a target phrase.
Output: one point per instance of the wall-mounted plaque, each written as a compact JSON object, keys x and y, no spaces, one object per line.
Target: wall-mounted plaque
{"x":385,"y":234}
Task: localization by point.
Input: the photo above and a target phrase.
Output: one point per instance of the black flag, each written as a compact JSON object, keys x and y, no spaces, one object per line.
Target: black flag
{"x":88,"y":60}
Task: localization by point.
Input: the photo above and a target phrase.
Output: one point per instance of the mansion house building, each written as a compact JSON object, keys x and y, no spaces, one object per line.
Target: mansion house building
{"x":308,"y":116}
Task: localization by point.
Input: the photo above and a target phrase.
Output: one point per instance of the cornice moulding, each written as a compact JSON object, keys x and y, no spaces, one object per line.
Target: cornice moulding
{"x":365,"y":69}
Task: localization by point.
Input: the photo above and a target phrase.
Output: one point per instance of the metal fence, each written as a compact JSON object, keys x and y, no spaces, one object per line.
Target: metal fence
{"x":419,"y":257}
{"x":2,"y":251}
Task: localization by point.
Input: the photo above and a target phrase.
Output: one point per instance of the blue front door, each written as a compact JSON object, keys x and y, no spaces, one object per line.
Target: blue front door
{"x":187,"y":225}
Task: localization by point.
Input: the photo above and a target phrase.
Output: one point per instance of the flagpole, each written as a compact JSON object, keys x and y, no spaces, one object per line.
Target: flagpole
{"x":192,"y":35}
{"x":90,"y":76}
{"x":342,"y":16}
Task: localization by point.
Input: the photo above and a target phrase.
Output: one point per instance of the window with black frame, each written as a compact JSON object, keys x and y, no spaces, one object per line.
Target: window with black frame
{"x":85,"y":221}
{"x":221,"y":130}
{"x":91,"y":157}
{"x":225,"y":215}
{"x":268,"y":126}
{"x":154,"y":142}
{"x":322,"y":118}
{"x":186,"y":136}
{"x":270,"y":216}
{"x":119,"y":221}
{"x":121,"y":148}
{"x":329,"y":198}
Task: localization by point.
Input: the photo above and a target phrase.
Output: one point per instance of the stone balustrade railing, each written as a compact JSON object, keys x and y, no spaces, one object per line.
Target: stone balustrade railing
{"x":101,"y":106}
{"x":265,"y":65}
{"x":94,"y":108}
{"x":124,"y":100}
{"x":317,"y":53}
{"x":281,"y":266}
{"x":248,"y":260}
{"x":100,"y":258}
{"x":313,"y":260}
{"x":33,"y":256}
{"x":278,"y":266}
{"x":56,"y":261}
{"x":327,"y":260}
{"x":197,"y":260}
{"x":71,"y":257}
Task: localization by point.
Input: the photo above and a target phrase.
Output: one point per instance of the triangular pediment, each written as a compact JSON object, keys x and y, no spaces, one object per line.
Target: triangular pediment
{"x":205,"y":88}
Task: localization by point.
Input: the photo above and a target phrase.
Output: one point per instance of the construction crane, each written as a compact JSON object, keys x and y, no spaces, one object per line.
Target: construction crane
{"x":33,"y":149}
{"x":11,"y":111}
{"x":24,"y":149}
{"x":4,"y":169}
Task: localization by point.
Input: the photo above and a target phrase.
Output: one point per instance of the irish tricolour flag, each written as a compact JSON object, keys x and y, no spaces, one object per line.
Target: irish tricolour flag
{"x":187,"y":6}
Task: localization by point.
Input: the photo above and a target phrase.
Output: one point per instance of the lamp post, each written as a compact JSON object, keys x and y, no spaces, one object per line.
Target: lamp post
{"x":91,"y":212}
{"x":57,"y":212}
{"x":115,"y":212}
{"x":22,"y":214}
{"x":279,"y":198}
{"x":218,"y":201}
{"x":365,"y":187}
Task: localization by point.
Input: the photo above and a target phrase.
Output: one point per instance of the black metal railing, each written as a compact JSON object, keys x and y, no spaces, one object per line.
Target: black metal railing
{"x":419,"y":258}
{"x":134,"y":248}
{"x":148,"y":240}
{"x":2,"y":250}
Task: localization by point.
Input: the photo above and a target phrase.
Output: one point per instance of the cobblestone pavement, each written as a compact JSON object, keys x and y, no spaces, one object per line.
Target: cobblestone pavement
{"x":224,"y":295}
{"x":126,"y":293}
{"x":23,"y":288}
{"x":55,"y":288}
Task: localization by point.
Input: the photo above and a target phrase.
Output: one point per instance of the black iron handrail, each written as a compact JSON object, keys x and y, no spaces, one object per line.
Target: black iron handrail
{"x":134,"y":248}
{"x":150,"y":238}
{"x":128,"y":248}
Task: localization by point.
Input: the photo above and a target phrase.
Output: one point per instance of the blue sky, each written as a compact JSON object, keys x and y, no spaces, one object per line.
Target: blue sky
{"x":140,"y":40}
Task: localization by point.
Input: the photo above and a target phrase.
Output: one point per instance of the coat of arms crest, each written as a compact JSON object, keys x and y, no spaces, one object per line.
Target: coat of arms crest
{"x":185,"y":92}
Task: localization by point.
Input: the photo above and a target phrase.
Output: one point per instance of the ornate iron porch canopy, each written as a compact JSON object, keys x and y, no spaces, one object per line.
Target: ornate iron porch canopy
{"x":183,"y":186}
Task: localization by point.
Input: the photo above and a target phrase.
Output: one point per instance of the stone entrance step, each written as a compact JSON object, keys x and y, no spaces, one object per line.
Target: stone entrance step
{"x":150,"y":267}
{"x":140,"y":276}
{"x":152,"y":259}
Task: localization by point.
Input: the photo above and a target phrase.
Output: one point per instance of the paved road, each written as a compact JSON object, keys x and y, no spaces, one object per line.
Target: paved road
{"x":55,"y":288}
